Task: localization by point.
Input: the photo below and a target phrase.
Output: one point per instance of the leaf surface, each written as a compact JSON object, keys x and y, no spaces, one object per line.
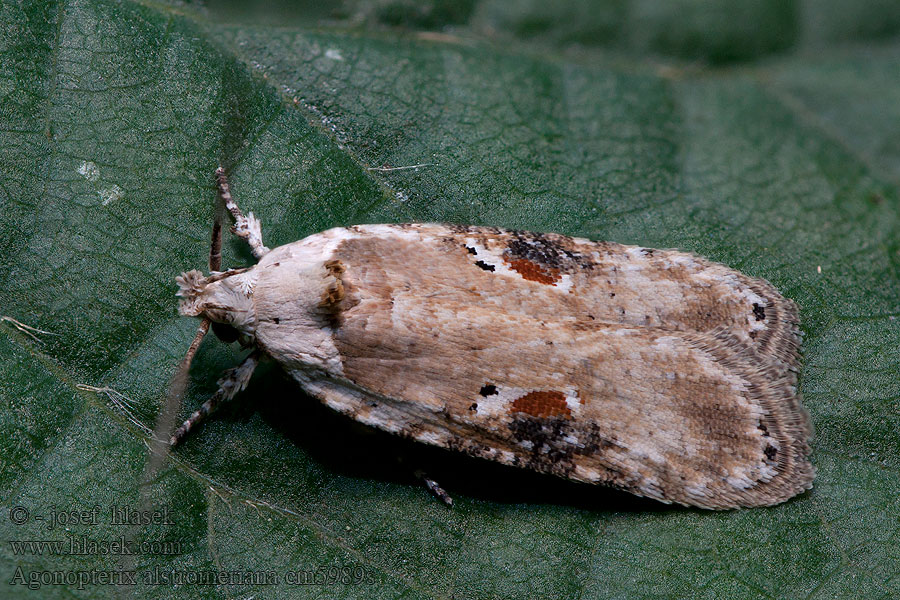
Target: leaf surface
{"x":781,"y":162}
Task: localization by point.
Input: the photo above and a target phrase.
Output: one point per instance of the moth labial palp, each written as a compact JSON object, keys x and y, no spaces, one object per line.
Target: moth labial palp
{"x":652,"y":371}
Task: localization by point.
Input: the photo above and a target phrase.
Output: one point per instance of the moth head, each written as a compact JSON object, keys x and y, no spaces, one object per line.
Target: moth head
{"x":223,"y":298}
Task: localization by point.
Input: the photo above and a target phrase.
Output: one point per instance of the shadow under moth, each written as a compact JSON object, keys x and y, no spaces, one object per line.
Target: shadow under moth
{"x":652,"y":371}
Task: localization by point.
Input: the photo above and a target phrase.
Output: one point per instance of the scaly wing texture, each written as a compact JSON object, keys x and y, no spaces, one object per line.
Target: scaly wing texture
{"x":652,"y":371}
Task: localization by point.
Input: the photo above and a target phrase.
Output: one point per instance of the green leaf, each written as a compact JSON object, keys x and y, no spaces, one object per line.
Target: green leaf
{"x":114,"y":116}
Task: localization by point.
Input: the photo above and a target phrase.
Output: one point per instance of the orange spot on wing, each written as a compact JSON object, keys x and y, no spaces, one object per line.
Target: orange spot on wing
{"x":542,"y":404}
{"x":532,"y":271}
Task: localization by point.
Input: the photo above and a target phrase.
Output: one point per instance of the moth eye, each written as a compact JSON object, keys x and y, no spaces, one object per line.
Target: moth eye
{"x":226,"y":333}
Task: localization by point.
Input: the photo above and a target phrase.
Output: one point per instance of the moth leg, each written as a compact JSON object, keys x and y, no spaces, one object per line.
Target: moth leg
{"x":246,"y":227}
{"x":233,"y":382}
{"x":434,"y":487}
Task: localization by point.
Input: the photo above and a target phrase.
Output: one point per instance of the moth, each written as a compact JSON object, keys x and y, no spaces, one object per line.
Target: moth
{"x":652,"y":371}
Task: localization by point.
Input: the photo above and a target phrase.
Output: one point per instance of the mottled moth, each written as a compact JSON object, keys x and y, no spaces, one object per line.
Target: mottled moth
{"x":653,"y":371}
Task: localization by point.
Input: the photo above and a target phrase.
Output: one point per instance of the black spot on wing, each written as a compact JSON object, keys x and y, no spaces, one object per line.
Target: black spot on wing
{"x":552,"y":449}
{"x":547,"y":250}
{"x":759,"y":312}
{"x":488,"y":390}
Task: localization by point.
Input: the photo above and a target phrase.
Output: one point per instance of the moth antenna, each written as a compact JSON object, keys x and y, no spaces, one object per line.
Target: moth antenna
{"x":178,"y":385}
{"x":195,"y":344}
{"x":167,"y":417}
{"x":215,"y":245}
{"x":165,"y":423}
